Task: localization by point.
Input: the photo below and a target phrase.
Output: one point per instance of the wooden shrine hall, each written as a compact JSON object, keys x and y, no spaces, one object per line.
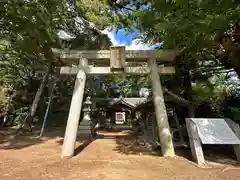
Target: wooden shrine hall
{"x":117,"y":60}
{"x":175,"y":105}
{"x":118,"y":111}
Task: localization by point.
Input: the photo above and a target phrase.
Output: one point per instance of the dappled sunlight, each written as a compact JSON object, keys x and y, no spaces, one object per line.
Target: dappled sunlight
{"x":12,"y":139}
{"x":101,"y":159}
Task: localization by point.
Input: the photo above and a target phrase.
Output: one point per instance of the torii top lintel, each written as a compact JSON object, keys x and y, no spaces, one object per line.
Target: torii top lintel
{"x":130,"y":55}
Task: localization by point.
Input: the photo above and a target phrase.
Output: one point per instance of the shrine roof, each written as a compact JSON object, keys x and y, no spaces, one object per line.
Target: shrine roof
{"x":169,"y":97}
{"x":127,"y":101}
{"x":130,"y":102}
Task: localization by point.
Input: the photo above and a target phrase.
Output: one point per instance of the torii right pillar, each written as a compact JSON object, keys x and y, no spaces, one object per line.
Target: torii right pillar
{"x":164,"y":133}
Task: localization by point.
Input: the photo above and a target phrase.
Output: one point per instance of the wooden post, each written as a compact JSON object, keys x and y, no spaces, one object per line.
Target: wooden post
{"x":178,"y":127}
{"x":161,"y":113}
{"x":191,"y":111}
{"x":236,"y":129}
{"x":195,"y":142}
{"x":154,"y":133}
{"x":74,"y":114}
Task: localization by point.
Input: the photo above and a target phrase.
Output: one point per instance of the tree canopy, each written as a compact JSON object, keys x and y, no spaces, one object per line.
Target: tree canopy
{"x":207,"y":31}
{"x":197,"y":26}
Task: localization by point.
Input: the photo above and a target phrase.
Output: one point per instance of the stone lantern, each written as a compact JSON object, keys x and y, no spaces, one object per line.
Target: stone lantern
{"x":85,"y":127}
{"x":87,"y":109}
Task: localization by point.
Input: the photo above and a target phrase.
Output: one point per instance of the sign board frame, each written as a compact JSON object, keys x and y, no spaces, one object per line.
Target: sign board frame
{"x":215,"y":131}
{"x":196,"y":142}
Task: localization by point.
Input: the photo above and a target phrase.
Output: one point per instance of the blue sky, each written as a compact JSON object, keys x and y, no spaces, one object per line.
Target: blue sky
{"x":121,"y":37}
{"x":124,"y":38}
{"x":118,"y":38}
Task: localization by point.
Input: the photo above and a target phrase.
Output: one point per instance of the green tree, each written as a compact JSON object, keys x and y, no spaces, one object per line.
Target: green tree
{"x":29,"y":29}
{"x":193,"y":25}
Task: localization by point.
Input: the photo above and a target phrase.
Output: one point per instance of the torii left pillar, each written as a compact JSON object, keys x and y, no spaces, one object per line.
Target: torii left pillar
{"x":74,"y":113}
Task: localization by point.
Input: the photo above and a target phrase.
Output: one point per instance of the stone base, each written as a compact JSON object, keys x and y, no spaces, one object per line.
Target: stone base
{"x":84,"y":128}
{"x":67,"y":157}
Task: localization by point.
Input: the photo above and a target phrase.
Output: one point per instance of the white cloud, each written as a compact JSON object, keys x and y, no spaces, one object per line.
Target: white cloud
{"x":112,"y":37}
{"x":136,"y":44}
{"x":65,"y":36}
{"x":144,"y":92}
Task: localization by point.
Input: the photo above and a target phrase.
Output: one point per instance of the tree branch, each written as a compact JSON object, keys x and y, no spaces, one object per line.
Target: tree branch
{"x":114,"y":2}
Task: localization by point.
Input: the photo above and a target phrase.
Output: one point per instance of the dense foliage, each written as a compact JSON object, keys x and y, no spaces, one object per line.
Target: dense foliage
{"x":207,"y":31}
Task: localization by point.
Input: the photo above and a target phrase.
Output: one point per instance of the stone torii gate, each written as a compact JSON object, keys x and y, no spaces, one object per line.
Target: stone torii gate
{"x":117,"y":60}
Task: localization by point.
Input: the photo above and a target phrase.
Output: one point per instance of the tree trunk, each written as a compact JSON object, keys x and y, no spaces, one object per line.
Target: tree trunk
{"x":231,"y":60}
{"x":188,"y":91}
{"x":232,"y":50}
{"x":38,"y":94}
{"x":51,"y":84}
{"x":184,"y":79}
{"x":235,"y":62}
{"x":29,"y":119}
{"x":48,"y":55}
{"x":6,"y":115}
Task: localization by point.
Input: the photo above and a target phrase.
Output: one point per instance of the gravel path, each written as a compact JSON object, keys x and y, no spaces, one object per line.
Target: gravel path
{"x":103,"y":159}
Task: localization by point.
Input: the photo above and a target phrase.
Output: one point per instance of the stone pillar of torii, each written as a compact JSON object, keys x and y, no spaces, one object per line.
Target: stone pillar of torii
{"x":117,"y":60}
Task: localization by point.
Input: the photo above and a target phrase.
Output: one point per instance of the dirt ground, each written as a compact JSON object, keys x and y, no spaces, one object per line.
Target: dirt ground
{"x":112,"y":156}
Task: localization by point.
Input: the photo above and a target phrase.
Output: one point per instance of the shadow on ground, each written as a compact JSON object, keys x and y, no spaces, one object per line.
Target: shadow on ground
{"x":129,"y":144}
{"x":10,"y":138}
{"x":126,"y":143}
{"x":223,"y":154}
{"x":219,"y":154}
